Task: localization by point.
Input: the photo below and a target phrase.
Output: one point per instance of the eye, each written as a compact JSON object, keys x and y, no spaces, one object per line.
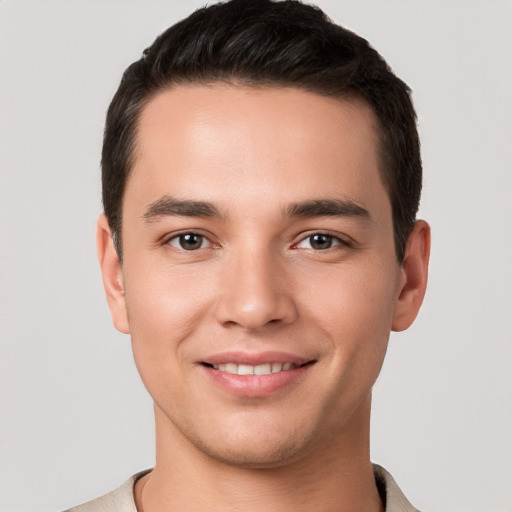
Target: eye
{"x":319,"y":242}
{"x":189,"y":241}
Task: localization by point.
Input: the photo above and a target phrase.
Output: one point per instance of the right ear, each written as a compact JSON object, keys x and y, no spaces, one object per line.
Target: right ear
{"x":112,"y":275}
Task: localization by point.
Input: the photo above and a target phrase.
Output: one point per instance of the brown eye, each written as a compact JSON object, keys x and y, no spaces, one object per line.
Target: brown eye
{"x":188,"y":241}
{"x":319,"y":242}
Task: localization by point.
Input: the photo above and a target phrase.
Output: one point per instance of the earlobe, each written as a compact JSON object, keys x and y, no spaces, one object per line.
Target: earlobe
{"x":414,"y":275}
{"x":112,"y":275}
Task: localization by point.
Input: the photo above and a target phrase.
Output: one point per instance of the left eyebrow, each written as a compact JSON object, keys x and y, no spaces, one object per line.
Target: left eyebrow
{"x":170,"y":206}
{"x":327,"y":208}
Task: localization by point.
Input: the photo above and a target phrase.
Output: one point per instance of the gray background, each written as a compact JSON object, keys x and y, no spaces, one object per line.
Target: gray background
{"x":75,"y":421}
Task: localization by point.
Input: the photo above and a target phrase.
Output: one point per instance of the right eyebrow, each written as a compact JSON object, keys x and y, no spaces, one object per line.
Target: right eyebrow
{"x":170,"y":206}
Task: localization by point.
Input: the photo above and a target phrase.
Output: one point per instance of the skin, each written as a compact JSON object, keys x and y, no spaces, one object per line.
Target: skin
{"x":256,"y":282}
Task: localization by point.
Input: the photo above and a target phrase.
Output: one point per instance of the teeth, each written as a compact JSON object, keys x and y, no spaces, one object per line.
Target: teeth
{"x":262,"y":369}
{"x":247,"y":369}
{"x":231,"y":368}
{"x":276,"y":367}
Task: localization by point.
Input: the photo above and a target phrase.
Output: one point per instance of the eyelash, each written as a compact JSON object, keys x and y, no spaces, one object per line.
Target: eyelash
{"x":336,"y":239}
{"x":167,"y":241}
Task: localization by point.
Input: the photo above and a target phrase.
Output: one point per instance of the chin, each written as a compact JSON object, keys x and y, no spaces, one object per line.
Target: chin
{"x":258,"y":447}
{"x":251,"y":456}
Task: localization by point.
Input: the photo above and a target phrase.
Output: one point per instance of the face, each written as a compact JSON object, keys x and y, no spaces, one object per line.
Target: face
{"x":259,"y":282}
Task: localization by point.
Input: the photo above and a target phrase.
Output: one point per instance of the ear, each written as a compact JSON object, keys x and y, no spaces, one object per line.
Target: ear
{"x":413,"y":278}
{"x":112,"y":275}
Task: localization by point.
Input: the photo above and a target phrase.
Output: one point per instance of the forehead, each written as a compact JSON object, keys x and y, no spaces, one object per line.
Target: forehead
{"x":260,"y":142}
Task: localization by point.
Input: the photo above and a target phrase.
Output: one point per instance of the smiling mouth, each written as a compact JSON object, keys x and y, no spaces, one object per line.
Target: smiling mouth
{"x":260,"y":369}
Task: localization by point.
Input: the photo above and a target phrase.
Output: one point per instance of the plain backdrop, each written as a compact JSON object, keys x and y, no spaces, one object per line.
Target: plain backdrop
{"x":75,"y":420}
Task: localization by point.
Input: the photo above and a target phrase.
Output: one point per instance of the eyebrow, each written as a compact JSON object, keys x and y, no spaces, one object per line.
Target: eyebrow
{"x":327,"y":208}
{"x":171,"y":206}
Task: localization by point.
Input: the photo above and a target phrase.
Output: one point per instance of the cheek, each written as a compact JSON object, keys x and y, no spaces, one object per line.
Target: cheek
{"x":162,"y":296}
{"x":359,"y":294}
{"x":165,"y":307}
{"x":352,"y":313}
{"x":354,"y":307}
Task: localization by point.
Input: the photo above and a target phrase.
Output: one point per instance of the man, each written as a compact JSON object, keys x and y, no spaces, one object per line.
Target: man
{"x":261,"y":178}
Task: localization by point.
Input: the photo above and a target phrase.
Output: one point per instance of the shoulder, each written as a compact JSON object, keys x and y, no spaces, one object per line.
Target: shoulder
{"x":392,"y":496}
{"x":118,"y":500}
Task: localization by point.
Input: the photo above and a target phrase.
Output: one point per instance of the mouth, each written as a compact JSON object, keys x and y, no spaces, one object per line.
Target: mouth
{"x":260,"y":369}
{"x":256,"y":375}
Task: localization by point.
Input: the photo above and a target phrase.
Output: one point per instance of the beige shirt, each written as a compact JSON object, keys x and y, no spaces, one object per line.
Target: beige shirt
{"x":122,"y":500}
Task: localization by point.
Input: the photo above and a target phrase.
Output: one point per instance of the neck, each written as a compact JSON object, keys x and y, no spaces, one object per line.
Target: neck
{"x":337,"y":476}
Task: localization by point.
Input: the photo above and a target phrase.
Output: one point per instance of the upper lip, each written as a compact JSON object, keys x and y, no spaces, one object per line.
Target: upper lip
{"x":255,"y":359}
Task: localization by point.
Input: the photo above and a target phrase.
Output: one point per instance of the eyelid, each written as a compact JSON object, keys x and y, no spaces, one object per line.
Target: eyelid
{"x":344,"y":240}
{"x":171,"y":236}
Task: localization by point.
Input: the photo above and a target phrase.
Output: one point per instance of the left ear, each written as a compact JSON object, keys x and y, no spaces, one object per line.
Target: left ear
{"x":413,"y":279}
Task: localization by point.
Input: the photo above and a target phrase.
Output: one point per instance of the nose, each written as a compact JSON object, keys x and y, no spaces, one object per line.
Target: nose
{"x":255,"y":292}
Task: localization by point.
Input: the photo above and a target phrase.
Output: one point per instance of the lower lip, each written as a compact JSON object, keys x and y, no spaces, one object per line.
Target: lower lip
{"x":256,"y":386}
